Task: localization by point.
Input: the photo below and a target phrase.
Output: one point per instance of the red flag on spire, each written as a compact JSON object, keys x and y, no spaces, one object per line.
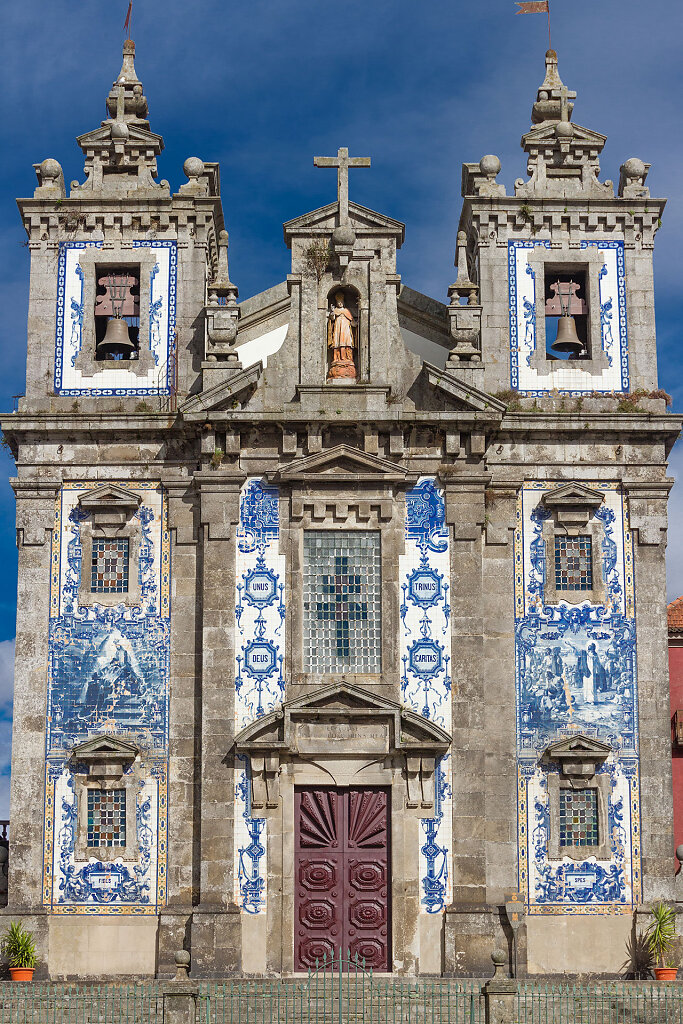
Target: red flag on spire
{"x":532,"y":7}
{"x":126,"y":24}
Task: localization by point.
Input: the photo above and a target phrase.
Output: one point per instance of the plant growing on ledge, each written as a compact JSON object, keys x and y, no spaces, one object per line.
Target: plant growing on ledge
{"x":661,"y":937}
{"x":318,"y":256}
{"x":217,"y":458}
{"x":19,"y":950}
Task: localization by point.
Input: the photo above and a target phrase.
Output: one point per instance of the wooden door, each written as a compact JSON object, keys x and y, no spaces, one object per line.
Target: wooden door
{"x":341,"y":874}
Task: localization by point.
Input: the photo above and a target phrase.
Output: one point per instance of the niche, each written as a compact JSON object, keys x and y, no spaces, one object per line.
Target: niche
{"x":342,"y":336}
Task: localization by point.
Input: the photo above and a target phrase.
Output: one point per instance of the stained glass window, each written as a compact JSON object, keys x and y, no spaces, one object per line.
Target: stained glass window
{"x":109,"y":573}
{"x":342,"y":601}
{"x":573,"y":566}
{"x":106,"y":817}
{"x":578,"y":817}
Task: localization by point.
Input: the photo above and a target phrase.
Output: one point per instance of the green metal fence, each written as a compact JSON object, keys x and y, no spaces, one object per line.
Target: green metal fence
{"x":615,"y":1003}
{"x":50,"y":1003}
{"x":351,"y":1000}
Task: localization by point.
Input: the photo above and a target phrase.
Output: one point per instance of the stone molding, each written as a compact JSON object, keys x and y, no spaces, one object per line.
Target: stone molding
{"x":35,"y":509}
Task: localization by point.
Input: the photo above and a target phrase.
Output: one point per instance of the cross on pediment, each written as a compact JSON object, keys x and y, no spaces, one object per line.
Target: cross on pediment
{"x":342,"y":161}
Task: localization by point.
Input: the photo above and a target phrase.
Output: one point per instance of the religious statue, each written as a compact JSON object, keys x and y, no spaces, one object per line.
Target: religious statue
{"x":341,"y":341}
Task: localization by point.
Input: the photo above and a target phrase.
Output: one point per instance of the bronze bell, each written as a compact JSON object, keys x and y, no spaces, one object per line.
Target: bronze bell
{"x":116,"y":343}
{"x":567,"y":339}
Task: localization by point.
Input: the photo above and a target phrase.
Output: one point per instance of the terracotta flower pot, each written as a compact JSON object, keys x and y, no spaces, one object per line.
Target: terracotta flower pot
{"x":21,"y":973}
{"x":665,"y":973}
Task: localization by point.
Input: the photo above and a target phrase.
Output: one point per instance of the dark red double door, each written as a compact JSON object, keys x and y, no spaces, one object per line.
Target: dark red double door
{"x":341,"y":875}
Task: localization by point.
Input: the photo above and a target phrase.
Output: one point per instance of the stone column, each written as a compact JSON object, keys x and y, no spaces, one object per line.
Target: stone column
{"x":647,"y":518}
{"x":216,"y":921}
{"x":35,"y":521}
{"x":184,"y":778}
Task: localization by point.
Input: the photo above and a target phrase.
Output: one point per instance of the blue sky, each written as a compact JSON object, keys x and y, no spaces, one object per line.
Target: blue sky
{"x":263,"y":86}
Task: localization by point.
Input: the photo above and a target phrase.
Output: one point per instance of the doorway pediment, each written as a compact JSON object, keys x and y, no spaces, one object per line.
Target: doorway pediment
{"x":348,"y":721}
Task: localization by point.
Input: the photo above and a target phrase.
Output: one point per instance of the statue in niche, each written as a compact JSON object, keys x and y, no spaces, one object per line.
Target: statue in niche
{"x":342,"y":341}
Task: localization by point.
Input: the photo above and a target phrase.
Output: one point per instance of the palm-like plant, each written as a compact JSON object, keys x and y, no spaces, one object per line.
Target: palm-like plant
{"x":661,"y":933}
{"x":18,"y":947}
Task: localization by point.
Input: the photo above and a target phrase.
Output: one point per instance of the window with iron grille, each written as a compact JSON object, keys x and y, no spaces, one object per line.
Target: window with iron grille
{"x":106,"y":817}
{"x":342,"y":601}
{"x":573,"y":563}
{"x":109,"y":569}
{"x":579,"y":817}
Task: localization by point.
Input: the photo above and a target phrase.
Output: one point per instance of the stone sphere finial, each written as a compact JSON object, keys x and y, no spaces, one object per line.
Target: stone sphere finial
{"x":489,"y":165}
{"x":182,"y":964}
{"x":193,"y":167}
{"x":635,"y":168}
{"x":119,"y":130}
{"x":499,"y":958}
{"x":344,"y":234}
{"x":564,"y":130}
{"x":679,"y":853}
{"x":50,"y":169}
{"x":223,"y":237}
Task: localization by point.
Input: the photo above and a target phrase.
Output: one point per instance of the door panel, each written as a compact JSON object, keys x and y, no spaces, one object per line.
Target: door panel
{"x":342,"y":894}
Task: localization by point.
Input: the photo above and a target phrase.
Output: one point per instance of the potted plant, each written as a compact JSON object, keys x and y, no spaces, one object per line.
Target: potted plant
{"x":660,"y":938}
{"x":19,"y":950}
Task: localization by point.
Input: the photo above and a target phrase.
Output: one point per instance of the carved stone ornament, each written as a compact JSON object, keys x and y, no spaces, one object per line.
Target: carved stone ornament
{"x":333,"y":718}
{"x":578,"y":756}
{"x":106,"y":757}
{"x":573,"y":505}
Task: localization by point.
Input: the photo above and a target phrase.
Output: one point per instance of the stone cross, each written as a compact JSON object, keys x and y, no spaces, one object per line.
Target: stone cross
{"x":342,"y":161}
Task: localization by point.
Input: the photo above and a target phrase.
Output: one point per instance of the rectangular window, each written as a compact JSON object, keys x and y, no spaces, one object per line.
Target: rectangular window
{"x":342,"y":601}
{"x":579,"y":817}
{"x":573,"y":563}
{"x":106,"y":817}
{"x":109,"y":570}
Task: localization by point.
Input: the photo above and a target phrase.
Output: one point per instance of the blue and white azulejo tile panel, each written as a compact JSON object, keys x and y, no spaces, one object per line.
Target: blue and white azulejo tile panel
{"x":424,"y":572}
{"x":160,"y":326}
{"x":576,"y":673}
{"x":568,"y":378}
{"x":108,"y":674}
{"x":259,"y":659}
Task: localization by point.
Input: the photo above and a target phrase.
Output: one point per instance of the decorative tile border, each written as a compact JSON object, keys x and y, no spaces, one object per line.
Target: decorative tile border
{"x":108,"y":672}
{"x":576,"y":672}
{"x":522,"y":317}
{"x":424,"y":572}
{"x":68,"y":379}
{"x":259,"y":658}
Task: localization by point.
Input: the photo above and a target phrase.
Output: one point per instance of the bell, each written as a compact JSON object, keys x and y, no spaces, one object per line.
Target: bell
{"x":116,"y":343}
{"x":567,"y":339}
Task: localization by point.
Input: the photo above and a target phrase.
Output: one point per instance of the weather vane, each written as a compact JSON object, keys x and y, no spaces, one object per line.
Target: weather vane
{"x":536,"y":7}
{"x":127,"y":22}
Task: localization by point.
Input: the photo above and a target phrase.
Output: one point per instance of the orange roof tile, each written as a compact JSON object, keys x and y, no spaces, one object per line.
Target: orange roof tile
{"x":675,"y":614}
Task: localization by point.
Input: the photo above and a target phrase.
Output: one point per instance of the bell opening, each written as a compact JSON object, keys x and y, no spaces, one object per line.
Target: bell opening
{"x":117,"y":312}
{"x":566,"y":313}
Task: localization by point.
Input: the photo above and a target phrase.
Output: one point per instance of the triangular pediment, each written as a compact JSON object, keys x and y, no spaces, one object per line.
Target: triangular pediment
{"x":107,"y":748}
{"x":136,"y":134}
{"x":325,"y":219}
{"x":342,"y":463}
{"x":343,"y":702}
{"x":546,"y":133}
{"x":223,"y":394}
{"x":110,"y":496}
{"x":463,"y":394}
{"x":573,"y":495}
{"x":580,"y":746}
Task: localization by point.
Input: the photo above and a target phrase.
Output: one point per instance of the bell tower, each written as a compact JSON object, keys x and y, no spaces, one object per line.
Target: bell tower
{"x":563,"y":268}
{"x":119,"y":266}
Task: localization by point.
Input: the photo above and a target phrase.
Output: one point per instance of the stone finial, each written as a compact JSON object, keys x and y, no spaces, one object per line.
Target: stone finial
{"x":552,"y":100}
{"x":197,"y":184}
{"x":465,"y":320}
{"x":221,"y":310}
{"x":182,"y":965}
{"x":123,"y":146}
{"x":499,"y":958}
{"x":50,"y":180}
{"x":632,"y":175}
{"x":562,"y":157}
{"x":480,"y":179}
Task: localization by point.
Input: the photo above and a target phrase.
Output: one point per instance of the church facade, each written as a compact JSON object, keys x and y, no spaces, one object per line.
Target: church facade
{"x":341,"y":610}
